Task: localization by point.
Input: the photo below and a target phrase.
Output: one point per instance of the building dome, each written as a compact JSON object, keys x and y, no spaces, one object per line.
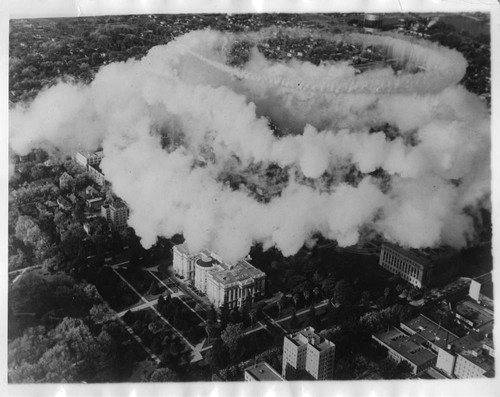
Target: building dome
{"x":205,"y":261}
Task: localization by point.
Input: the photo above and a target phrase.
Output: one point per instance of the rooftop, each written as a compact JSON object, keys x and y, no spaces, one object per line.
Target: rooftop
{"x":224,"y":273}
{"x":240,"y":272}
{"x":206,"y":262}
{"x":474,"y":312}
{"x":472,"y":341}
{"x":65,"y":175}
{"x":482,"y":360}
{"x":117,"y":204}
{"x":408,"y":253}
{"x":411,"y":347}
{"x":263,"y":372}
{"x":309,"y":336}
{"x":486,"y":281}
{"x":87,"y":154}
{"x":430,"y":331}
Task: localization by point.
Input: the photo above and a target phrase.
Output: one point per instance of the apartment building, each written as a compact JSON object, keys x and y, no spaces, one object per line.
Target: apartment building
{"x":307,"y":351}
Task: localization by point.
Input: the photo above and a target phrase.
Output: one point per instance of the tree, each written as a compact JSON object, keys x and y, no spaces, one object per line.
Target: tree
{"x":328,"y":287}
{"x":163,"y":375}
{"x":388,"y":369}
{"x":296,"y":298}
{"x":294,"y":323}
{"x":210,"y":329}
{"x":235,"y":316}
{"x":365,"y":298}
{"x":404,"y":369}
{"x":311,"y":317}
{"x":231,"y":337}
{"x":224,"y":315}
{"x":317,"y":279}
{"x":217,"y":356}
{"x":68,"y":353}
{"x":307,"y":295}
{"x":253,"y":315}
{"x":281,"y":303}
{"x":316,"y":293}
{"x":101,"y":313}
{"x":343,"y":293}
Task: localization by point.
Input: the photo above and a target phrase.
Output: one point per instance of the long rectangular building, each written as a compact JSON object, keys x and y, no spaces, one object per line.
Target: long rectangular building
{"x":411,"y":267}
{"x":437,"y":336}
{"x":412,"y":349}
{"x":471,"y":356}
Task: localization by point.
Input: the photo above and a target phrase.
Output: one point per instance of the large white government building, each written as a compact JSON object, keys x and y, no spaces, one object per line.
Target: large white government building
{"x":411,"y":267}
{"x":222,"y":282}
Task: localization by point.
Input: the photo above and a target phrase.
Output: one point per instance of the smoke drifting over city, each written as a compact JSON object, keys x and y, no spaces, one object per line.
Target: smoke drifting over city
{"x":179,"y":126}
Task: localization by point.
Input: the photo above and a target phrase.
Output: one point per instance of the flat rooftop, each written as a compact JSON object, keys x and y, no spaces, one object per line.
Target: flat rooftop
{"x":431,"y":331}
{"x":410,"y":254}
{"x":117,"y":204}
{"x":263,"y":372}
{"x":240,"y":272}
{"x":474,"y":312}
{"x":485,"y":362}
{"x":182,"y":248}
{"x":88,"y":154}
{"x":425,"y":257}
{"x":309,"y":336}
{"x":411,"y":347}
{"x":471,"y":341}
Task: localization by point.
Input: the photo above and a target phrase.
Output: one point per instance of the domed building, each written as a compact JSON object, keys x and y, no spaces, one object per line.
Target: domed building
{"x":222,"y":282}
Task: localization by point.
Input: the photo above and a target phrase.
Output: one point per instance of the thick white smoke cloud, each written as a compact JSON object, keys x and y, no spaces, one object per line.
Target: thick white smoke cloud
{"x":214,"y":115}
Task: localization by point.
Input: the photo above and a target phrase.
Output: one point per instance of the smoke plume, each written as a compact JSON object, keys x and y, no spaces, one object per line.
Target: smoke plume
{"x":188,"y":144}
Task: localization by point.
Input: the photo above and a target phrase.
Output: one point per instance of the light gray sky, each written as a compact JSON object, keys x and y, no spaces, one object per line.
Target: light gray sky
{"x":58,"y":8}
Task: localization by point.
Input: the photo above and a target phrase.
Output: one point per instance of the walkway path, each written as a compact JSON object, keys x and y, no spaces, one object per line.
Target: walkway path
{"x":178,"y":294}
{"x":22,"y":271}
{"x":196,"y":350}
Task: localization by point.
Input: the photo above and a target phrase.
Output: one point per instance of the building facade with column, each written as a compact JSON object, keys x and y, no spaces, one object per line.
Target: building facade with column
{"x":222,"y":282}
{"x":409,"y":266}
{"x":307,"y":351}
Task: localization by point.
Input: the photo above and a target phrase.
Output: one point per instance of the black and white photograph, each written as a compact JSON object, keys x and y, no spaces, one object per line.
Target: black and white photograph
{"x":250,"y":197}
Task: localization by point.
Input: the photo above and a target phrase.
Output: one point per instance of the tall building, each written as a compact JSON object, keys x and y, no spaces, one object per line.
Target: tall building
{"x":116,"y":213}
{"x":88,"y":158}
{"x":222,"y":282}
{"x":96,"y":174}
{"x":261,"y":372}
{"x":183,"y":262}
{"x":307,"y":351}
